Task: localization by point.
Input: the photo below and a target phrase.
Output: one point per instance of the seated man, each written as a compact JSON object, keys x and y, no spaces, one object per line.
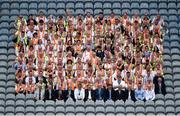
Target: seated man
{"x":119,"y":85}
{"x":139,"y":92}
{"x":149,"y":92}
{"x":129,"y":92}
{"x":79,"y":92}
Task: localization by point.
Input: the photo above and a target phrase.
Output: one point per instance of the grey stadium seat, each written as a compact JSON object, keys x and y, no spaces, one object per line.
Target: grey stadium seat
{"x":50,"y":110}
{"x":80,"y":111}
{"x":20,"y":110}
{"x":29,"y":110}
{"x":100,"y":110}
{"x":40,"y":110}
{"x":140,"y":110}
{"x":110,"y":110}
{"x":60,"y":110}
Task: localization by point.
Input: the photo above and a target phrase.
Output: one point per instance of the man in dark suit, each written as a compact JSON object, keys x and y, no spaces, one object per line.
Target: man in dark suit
{"x":41,"y":77}
{"x":109,"y":93}
{"x":50,"y":93}
{"x":89,"y":93}
{"x":160,"y":87}
{"x":129,"y":93}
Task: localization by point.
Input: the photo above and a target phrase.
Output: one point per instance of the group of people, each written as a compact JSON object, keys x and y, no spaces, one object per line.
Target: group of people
{"x":89,"y":58}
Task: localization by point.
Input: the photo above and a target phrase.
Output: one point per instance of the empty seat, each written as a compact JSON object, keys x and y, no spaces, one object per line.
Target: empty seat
{"x":110,"y":110}
{"x":170,"y":110}
{"x":88,"y":5}
{"x":51,"y":12}
{"x":70,"y":110}
{"x":171,"y":5}
{"x":50,"y":110}
{"x":43,"y":5}
{"x":109,"y":103}
{"x":10,"y":96}
{"x":69,"y":102}
{"x":24,"y":6}
{"x":120,"y":110}
{"x":51,"y":6}
{"x":126,"y":6}
{"x":172,"y":12}
{"x":9,"y":109}
{"x":90,"y":111}
{"x":29,"y":110}
{"x":4,"y":12}
{"x":99,"y":103}
{"x":70,"y":5}
{"x":160,"y":110}
{"x":135,"y":6}
{"x":20,"y":103}
{"x":33,"y":12}
{"x":33,"y":6}
{"x":9,"y":103}
{"x":40,"y":110}
{"x":107,"y":12}
{"x":79,"y":5}
{"x":100,"y":110}
{"x":79,"y":11}
{"x":23,"y":12}
{"x":3,"y":79}
{"x":150,"y":110}
{"x":2,"y":93}
{"x":5,"y":6}
{"x":107,"y":5}
{"x":80,"y":110}
{"x":29,"y":96}
{"x":2,"y":109}
{"x":10,"y":90}
{"x":60,"y":110}
{"x":20,"y":110}
{"x":153,"y":6}
{"x":20,"y":97}
{"x":29,"y":103}
{"x":117,"y":11}
{"x":14,"y":6}
{"x":40,"y":103}
{"x":49,"y":103}
{"x":130,"y":110}
{"x":140,"y":110}
{"x":61,"y":12}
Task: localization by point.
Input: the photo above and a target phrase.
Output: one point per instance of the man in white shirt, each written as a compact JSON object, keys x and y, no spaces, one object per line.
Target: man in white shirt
{"x":79,"y":92}
{"x":30,"y":76}
{"x":149,"y":93}
{"x":119,"y":83}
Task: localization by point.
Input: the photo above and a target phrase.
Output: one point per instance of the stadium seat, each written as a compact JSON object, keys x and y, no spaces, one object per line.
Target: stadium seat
{"x":40,"y":103}
{"x":60,"y":110}
{"x":100,"y":110}
{"x":160,"y":110}
{"x":80,"y":110}
{"x":50,"y":110}
{"x":30,"y":103}
{"x":29,"y":110}
{"x":39,"y":110}
{"x":140,"y":110}
{"x":90,"y":111}
{"x":20,"y":110}
{"x":110,"y":110}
